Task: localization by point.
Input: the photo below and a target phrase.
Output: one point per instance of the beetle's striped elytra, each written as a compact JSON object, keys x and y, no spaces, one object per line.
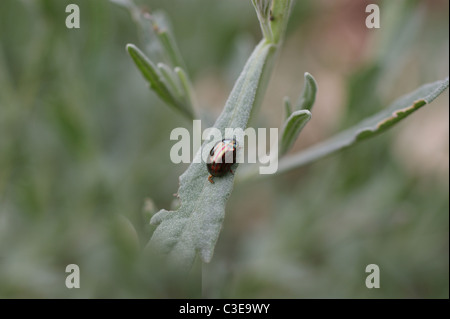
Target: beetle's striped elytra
{"x":221,"y":157}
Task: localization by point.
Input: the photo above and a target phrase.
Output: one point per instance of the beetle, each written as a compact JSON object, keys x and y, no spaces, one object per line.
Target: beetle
{"x":221,"y":157}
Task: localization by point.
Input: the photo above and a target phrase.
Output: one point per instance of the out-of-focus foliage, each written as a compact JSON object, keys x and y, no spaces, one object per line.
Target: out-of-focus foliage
{"x":367,"y":128}
{"x":83,"y":143}
{"x":295,"y":121}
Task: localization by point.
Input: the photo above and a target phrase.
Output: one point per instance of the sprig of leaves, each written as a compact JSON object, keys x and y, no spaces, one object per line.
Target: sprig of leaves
{"x":297,"y":120}
{"x":195,"y":225}
{"x":168,"y":77}
{"x":170,"y":85}
{"x":370,"y":127}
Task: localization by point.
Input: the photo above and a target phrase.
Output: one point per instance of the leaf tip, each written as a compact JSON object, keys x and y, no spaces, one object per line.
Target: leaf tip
{"x":206,"y":255}
{"x":159,"y":217}
{"x":130,"y":47}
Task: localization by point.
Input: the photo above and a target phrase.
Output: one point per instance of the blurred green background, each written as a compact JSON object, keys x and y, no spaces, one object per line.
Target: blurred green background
{"x":84,"y":144}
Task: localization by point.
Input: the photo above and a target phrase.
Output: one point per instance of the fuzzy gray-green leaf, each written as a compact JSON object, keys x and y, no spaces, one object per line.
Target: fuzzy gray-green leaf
{"x":370,"y":127}
{"x":287,"y":107}
{"x":297,"y":120}
{"x":308,"y":96}
{"x":171,"y":79}
{"x":186,"y":87}
{"x":195,"y":225}
{"x":292,"y":128}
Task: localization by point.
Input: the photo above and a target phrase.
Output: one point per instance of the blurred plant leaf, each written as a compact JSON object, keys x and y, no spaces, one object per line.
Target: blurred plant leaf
{"x":402,"y":22}
{"x":171,"y":53}
{"x":195,"y":225}
{"x":370,"y":127}
{"x":161,"y":82}
{"x":287,"y":107}
{"x":308,"y":96}
{"x":297,"y":120}
{"x":186,"y":87}
{"x":171,"y":78}
{"x":292,"y":128}
{"x":160,"y":43}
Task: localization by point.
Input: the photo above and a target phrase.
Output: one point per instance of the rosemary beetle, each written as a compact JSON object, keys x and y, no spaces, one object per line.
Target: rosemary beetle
{"x":221,"y":157}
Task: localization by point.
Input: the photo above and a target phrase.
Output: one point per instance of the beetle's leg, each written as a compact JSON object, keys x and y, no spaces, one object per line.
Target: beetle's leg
{"x":231,"y":171}
{"x":210,"y":179}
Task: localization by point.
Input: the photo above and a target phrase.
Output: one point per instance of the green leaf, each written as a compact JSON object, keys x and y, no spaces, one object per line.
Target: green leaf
{"x":164,"y":80}
{"x":171,"y":79}
{"x":196,"y":225}
{"x":186,"y":86}
{"x":150,"y":73}
{"x":370,"y":127}
{"x":159,"y":82}
{"x":308,"y":96}
{"x":296,"y":121}
{"x":287,"y":107}
{"x":292,"y":128}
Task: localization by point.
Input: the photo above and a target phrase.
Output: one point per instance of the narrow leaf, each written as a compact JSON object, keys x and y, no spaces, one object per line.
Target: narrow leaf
{"x":157,"y":81}
{"x":186,"y":87}
{"x":150,"y":73}
{"x":292,"y":128}
{"x":287,"y":107}
{"x":296,"y":121}
{"x":171,"y":79}
{"x":144,"y":65}
{"x":370,"y":127}
{"x":308,"y":96}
